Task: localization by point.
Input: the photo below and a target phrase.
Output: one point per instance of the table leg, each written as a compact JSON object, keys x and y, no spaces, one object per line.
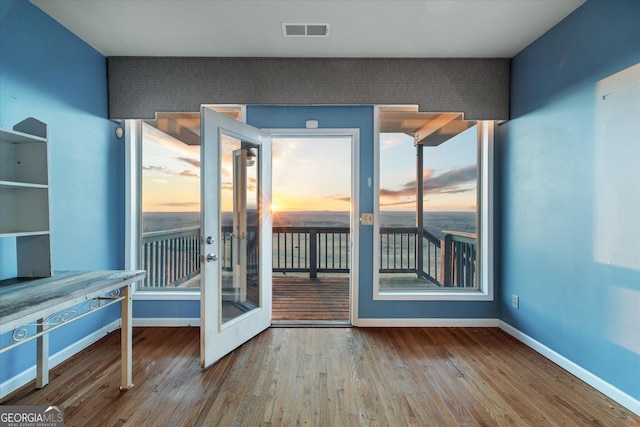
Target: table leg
{"x":42,"y":358}
{"x":125,"y":339}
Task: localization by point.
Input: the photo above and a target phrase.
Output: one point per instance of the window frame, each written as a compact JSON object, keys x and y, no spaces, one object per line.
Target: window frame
{"x":133,"y":210}
{"x":485,"y":292}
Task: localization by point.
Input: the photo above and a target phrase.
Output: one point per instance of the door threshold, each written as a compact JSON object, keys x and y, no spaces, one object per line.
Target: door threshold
{"x":310,"y":324}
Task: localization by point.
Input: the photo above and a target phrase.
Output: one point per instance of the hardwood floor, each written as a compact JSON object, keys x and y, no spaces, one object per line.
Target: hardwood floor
{"x":326,"y":377}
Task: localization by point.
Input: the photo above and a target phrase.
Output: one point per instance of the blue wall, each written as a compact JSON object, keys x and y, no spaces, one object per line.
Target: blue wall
{"x":48,"y":73}
{"x":166,"y":309}
{"x":546,"y":156}
{"x":361,"y":117}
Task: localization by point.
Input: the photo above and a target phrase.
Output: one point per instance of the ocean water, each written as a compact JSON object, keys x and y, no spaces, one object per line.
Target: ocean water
{"x":161,"y":221}
{"x":435,"y":222}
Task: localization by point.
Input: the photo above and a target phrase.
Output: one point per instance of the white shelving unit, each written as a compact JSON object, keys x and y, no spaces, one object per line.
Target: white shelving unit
{"x":24,"y":195}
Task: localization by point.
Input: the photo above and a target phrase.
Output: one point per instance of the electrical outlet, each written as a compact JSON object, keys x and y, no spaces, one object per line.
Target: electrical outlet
{"x":515,"y":301}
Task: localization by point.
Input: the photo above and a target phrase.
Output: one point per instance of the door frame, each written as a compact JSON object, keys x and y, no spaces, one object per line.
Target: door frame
{"x":354,"y":214}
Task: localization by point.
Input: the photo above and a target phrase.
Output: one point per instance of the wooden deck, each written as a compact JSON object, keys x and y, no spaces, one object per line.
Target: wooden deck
{"x":303,"y":300}
{"x":325,"y":377}
{"x":297,"y":299}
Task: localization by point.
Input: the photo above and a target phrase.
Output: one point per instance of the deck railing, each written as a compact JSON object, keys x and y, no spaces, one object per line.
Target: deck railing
{"x":311,"y":249}
{"x":173,"y":257}
{"x":400,"y":252}
{"x":227,"y":247}
{"x":460,"y":259}
{"x":170,"y":257}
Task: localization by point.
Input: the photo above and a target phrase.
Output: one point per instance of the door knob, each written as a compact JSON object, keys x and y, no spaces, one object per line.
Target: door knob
{"x":212,"y":257}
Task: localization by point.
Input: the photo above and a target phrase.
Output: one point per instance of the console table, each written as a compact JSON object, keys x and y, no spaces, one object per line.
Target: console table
{"x":31,"y":308}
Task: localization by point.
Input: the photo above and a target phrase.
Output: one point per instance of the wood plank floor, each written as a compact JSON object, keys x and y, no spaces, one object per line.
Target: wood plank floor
{"x":297,"y":299}
{"x":326,"y":377}
{"x":302,"y":300}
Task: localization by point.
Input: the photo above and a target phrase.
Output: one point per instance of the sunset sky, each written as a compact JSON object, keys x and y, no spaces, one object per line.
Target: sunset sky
{"x":170,"y":173}
{"x":314,"y":173}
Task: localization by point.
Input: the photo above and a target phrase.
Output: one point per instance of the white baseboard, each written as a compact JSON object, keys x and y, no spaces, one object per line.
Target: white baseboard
{"x":594,"y":381}
{"x":12,"y":384}
{"x":426,"y":323}
{"x":166,"y":322}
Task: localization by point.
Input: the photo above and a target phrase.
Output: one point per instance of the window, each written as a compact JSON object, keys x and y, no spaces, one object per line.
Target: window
{"x":164,"y":156}
{"x":170,"y":203}
{"x":432,"y":228}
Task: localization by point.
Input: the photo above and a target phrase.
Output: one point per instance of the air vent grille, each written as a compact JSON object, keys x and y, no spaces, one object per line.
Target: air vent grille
{"x":305,"y":30}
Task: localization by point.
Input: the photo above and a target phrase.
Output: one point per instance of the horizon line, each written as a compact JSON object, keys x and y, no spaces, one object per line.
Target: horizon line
{"x":327,"y":210}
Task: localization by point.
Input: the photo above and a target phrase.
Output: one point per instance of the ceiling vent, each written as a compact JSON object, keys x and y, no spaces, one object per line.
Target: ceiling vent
{"x":305,"y":30}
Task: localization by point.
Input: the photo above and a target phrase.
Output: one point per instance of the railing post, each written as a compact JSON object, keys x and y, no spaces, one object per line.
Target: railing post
{"x":419,"y":210}
{"x":448,"y":260}
{"x":420,"y":253}
{"x":313,"y":253}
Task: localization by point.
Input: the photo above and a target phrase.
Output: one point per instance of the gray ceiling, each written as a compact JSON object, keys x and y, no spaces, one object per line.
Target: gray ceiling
{"x":253,"y":28}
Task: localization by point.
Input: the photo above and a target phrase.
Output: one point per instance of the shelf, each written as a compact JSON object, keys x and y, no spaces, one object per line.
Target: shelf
{"x":25,"y":233}
{"x":15,"y":137}
{"x":24,"y":209}
{"x":24,"y":196}
{"x":15,"y":184}
{"x":24,"y":162}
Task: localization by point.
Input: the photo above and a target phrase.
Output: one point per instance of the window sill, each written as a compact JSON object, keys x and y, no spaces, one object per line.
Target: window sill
{"x":434,"y":296}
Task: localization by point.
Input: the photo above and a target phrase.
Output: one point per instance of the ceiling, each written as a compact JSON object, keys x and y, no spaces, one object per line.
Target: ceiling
{"x":253,"y":28}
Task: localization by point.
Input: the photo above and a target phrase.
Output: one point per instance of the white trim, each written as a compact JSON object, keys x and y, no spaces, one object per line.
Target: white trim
{"x":486,"y":140}
{"x":434,"y":295}
{"x":354,"y":216}
{"x":166,"y":322}
{"x":14,"y":383}
{"x":593,"y":380}
{"x":314,"y":133}
{"x":131,"y":191}
{"x":167,"y":296}
{"x":376,"y":202}
{"x":425,"y":323}
{"x":355,"y":225}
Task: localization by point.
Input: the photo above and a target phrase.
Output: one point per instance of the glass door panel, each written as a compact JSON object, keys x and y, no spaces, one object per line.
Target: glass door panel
{"x":240,"y":290}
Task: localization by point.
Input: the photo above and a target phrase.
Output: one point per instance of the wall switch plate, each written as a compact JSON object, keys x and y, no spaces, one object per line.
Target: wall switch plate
{"x":515,"y":301}
{"x":366,"y":219}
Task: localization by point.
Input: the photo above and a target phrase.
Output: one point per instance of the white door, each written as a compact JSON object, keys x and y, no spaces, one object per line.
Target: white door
{"x":236,"y":229}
